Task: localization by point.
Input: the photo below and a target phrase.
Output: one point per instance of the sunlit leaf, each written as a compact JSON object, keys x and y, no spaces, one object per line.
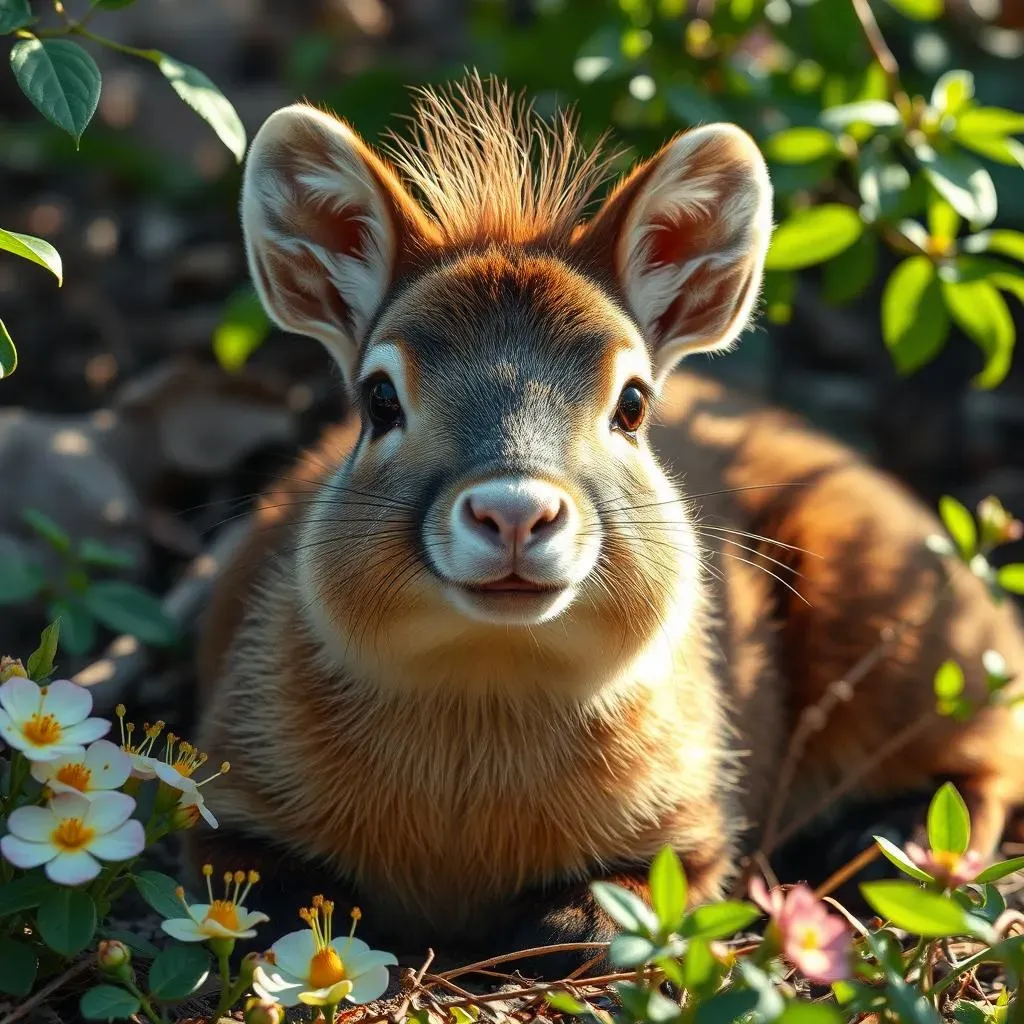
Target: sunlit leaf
{"x":813,"y":236}
{"x":915,"y":322}
{"x":960,"y":525}
{"x":896,"y":856}
{"x":962,"y":182}
{"x":909,"y":906}
{"x":849,"y":274}
{"x":28,"y":247}
{"x":720,"y":920}
{"x":949,"y":681}
{"x":943,"y":220}
{"x":14,"y":14}
{"x":8,"y":353}
{"x":990,"y":121}
{"x":1003,"y":150}
{"x":178,"y":971}
{"x":207,"y":101}
{"x":983,"y":315}
{"x":1002,"y":241}
{"x":242,"y":329}
{"x":565,"y":1003}
{"x":949,"y":822}
{"x":61,"y":80}
{"x":668,"y":889}
{"x":919,"y":10}
{"x":108,"y":1002}
{"x":1011,"y":578}
{"x":884,"y":183}
{"x":624,"y":908}
{"x":877,"y":113}
{"x":799,"y":145}
{"x":952,"y":91}
{"x":777,"y":294}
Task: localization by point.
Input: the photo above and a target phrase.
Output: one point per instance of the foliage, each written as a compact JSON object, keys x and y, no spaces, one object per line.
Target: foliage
{"x":75,"y":597}
{"x":63,"y":82}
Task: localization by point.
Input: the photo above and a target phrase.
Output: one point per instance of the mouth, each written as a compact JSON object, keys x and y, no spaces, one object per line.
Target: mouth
{"x":512,"y":584}
{"x":512,"y":600}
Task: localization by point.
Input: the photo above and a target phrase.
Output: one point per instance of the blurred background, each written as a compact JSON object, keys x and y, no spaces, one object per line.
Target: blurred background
{"x":152,"y":400}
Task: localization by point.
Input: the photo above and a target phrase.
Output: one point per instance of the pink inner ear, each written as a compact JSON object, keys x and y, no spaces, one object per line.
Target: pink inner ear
{"x":677,"y":240}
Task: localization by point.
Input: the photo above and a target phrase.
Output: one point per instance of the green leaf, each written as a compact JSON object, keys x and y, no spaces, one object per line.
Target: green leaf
{"x":797,"y":1012}
{"x":207,"y":101}
{"x":914,"y":319}
{"x":813,"y":236}
{"x":983,"y":315}
{"x":1011,"y":578}
{"x":54,"y":535}
{"x":23,"y":893}
{"x":884,"y":184}
{"x":96,"y":553}
{"x":949,"y":822}
{"x":849,"y":274}
{"x":726,"y":1008}
{"x":17,"y":967}
{"x":61,"y":80}
{"x":36,"y":250}
{"x":20,"y":579}
{"x":625,"y":909}
{"x":1003,"y":150}
{"x":8,"y":353}
{"x":178,"y":971}
{"x":40,"y":661}
{"x":943,"y":220}
{"x":108,"y":1002}
{"x":668,"y":890}
{"x":160,"y":892}
{"x":78,"y":627}
{"x":799,"y":145}
{"x":896,"y":856}
{"x":698,"y":964}
{"x":14,"y":14}
{"x":628,"y":950}
{"x":136,"y":943}
{"x":720,"y":920}
{"x":990,"y":121}
{"x":243,"y":328}
{"x":565,"y":1003}
{"x":126,"y":608}
{"x":692,"y":105}
{"x":778,"y":294}
{"x":877,"y":113}
{"x":1002,"y":241}
{"x":962,"y":182}
{"x":952,"y":91}
{"x":910,"y":907}
{"x":66,"y":920}
{"x":949,"y":681}
{"x":919,"y":10}
{"x":960,"y":525}
{"x":1001,"y":869}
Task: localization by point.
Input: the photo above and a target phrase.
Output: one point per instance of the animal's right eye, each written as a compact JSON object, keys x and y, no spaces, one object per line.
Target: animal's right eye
{"x":382,"y":405}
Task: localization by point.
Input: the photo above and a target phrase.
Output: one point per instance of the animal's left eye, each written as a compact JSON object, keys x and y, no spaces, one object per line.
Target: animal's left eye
{"x":631,"y":410}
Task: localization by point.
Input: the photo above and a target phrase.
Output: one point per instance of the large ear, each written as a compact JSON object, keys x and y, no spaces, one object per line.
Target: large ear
{"x":325,"y":224}
{"x":687,"y":234}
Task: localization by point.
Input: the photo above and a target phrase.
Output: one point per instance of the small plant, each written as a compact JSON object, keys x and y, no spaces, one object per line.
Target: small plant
{"x":76,"y":598}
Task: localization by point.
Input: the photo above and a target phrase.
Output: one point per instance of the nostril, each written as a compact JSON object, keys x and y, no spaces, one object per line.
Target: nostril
{"x":550,"y":517}
{"x":484,"y":517}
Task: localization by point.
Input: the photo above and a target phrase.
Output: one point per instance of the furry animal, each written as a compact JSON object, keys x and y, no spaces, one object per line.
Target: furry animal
{"x":483,"y":646}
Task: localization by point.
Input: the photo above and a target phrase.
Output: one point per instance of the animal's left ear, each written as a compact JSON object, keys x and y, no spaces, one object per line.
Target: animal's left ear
{"x":687,"y":234}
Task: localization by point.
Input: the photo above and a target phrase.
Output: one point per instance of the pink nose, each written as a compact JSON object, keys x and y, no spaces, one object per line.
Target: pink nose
{"x":513,"y":514}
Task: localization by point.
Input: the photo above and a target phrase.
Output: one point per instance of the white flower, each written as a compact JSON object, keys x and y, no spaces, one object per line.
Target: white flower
{"x":47,"y":722}
{"x":104,"y":766}
{"x":140,"y":754}
{"x":71,"y":832}
{"x":218,"y":919}
{"x":310,"y":967}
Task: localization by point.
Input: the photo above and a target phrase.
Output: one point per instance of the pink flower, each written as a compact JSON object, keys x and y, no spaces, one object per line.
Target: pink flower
{"x":950,"y":869}
{"x":816,"y":942}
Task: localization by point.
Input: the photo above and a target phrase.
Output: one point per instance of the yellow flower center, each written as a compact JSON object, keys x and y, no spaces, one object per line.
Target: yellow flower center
{"x":71,"y":834}
{"x":75,"y":775}
{"x":42,"y":729}
{"x":809,"y":939}
{"x":326,"y":968}
{"x":225,"y":913}
{"x":946,"y":859}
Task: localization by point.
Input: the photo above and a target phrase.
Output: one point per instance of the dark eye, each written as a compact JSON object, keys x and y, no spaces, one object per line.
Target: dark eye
{"x":382,"y":405}
{"x":631,"y":410}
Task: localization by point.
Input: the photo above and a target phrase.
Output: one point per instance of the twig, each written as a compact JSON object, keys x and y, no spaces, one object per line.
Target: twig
{"x":417,"y":980}
{"x":560,"y":947}
{"x":879,"y":47}
{"x":573,"y":976}
{"x":848,"y":870}
{"x":46,"y":991}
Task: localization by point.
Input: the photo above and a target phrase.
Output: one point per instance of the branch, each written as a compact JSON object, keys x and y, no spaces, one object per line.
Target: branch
{"x":879,"y":47}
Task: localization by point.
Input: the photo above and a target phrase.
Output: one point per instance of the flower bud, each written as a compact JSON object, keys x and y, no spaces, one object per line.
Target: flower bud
{"x":247,"y":968}
{"x":184,"y":817}
{"x":997,"y":525}
{"x":263,"y":1011}
{"x":114,"y":958}
{"x":11,"y":667}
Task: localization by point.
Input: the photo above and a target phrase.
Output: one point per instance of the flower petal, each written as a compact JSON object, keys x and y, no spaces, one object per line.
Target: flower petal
{"x":23,"y":854}
{"x":20,"y":698}
{"x":85,"y":732}
{"x":123,"y":843}
{"x":108,"y":764}
{"x":294,"y":951}
{"x":360,"y":963}
{"x":143,"y":767}
{"x":109,"y":810}
{"x":271,"y":983}
{"x":70,"y":805}
{"x":250,"y":918}
{"x":183,"y":929}
{"x":173,"y":777}
{"x":68,"y":702}
{"x":35,"y":824}
{"x":369,"y":986}
{"x":347,"y":948}
{"x":72,"y":868}
{"x":43,"y":771}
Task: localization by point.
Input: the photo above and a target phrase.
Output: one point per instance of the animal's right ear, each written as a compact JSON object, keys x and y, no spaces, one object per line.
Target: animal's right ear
{"x":326,"y":223}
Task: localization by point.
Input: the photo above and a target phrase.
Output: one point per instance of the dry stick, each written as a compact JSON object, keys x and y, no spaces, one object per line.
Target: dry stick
{"x":848,"y":870}
{"x":572,"y":976}
{"x":403,"y":1008}
{"x":560,"y":947}
{"x":46,"y":991}
{"x":879,"y":47}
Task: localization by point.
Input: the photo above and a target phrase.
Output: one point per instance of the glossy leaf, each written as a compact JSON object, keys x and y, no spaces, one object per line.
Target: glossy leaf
{"x":1003,"y":150}
{"x":126,"y":608}
{"x":207,"y":101}
{"x":727,"y":1007}
{"x":668,"y":890}
{"x":1001,"y":240}
{"x":949,"y":822}
{"x":984,"y":317}
{"x":812,"y":236}
{"x":960,"y":525}
{"x":912,"y":908}
{"x":28,"y":247}
{"x":160,"y":892}
{"x":919,"y":10}
{"x":41,"y":660}
{"x":896,"y":856}
{"x":778,"y":294}
{"x":108,"y":1002}
{"x":178,"y":971}
{"x":66,"y":920}
{"x":8,"y":353}
{"x":799,"y":1012}
{"x":18,"y":965}
{"x":1001,"y":869}
{"x":915,"y":322}
{"x":720,"y":920}
{"x":23,"y":893}
{"x":627,"y":950}
{"x":1011,"y":578}
{"x":884,"y":183}
{"x":949,"y":680}
{"x":243,"y":328}
{"x":962,"y":182}
{"x":799,"y":145}
{"x":848,"y":275}
{"x":14,"y":14}
{"x":878,"y":113}
{"x":565,"y":1003}
{"x":625,"y":909}
{"x":60,"y":79}
{"x":699,"y":964}
{"x":953,"y":91}
{"x":990,"y":121}
{"x":943,"y":220}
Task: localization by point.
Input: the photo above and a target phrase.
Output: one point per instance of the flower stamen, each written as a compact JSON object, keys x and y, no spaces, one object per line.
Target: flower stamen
{"x":71,"y":834}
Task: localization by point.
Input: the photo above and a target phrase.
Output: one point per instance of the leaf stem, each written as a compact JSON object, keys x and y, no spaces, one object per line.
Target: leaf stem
{"x":147,"y":1006}
{"x":880,"y":49}
{"x":226,"y":988}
